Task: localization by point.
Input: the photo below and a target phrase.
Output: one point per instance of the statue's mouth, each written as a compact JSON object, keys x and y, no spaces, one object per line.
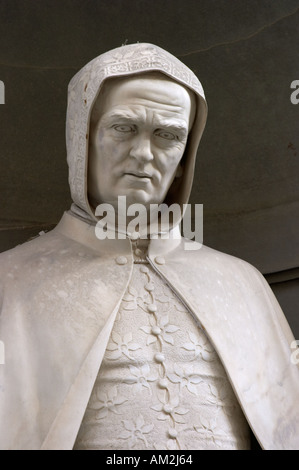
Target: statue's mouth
{"x":139,"y":175}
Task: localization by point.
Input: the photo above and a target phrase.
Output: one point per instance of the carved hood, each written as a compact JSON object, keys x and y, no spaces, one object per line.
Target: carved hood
{"x":83,"y":91}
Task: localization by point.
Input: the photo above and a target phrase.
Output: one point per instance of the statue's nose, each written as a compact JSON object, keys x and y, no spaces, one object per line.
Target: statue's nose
{"x":141,"y":149}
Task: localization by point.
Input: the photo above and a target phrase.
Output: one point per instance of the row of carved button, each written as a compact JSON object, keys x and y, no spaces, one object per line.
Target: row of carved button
{"x":122,"y":260}
{"x":159,"y":357}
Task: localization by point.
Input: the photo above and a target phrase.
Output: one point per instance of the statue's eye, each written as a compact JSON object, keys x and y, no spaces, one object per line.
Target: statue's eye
{"x":165,"y":135}
{"x":124,"y":128}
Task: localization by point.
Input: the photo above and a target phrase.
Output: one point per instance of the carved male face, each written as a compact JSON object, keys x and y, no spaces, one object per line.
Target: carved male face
{"x":138,"y":134}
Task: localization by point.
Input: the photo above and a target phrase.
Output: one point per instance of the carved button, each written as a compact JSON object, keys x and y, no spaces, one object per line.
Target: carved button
{"x":149,"y":286}
{"x":163,"y":383}
{"x":156,"y":330}
{"x":167,"y":409}
{"x":160,"y":260}
{"x":144,"y":269}
{"x":152,"y":308}
{"x":159,"y":357}
{"x":134,"y":236}
{"x":172,"y":433}
{"x":121,"y":260}
{"x":138,"y":252}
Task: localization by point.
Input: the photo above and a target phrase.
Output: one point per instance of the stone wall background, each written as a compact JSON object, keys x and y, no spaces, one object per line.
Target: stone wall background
{"x":246,"y":54}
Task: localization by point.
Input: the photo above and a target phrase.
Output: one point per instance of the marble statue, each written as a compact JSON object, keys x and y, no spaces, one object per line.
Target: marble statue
{"x":136,"y":342}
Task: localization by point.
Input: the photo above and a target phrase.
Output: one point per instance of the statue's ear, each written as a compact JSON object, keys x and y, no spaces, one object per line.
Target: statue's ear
{"x":179,"y":171}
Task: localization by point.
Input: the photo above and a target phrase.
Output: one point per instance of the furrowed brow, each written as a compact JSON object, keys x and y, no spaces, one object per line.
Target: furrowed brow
{"x":115,"y":116}
{"x":176,"y":124}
